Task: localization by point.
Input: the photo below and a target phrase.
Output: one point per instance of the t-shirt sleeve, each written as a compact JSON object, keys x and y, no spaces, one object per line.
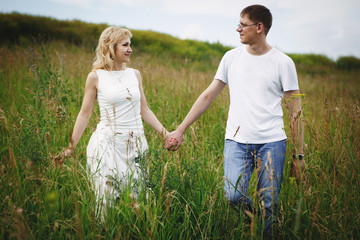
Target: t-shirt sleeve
{"x":221,"y":72}
{"x":288,"y":75}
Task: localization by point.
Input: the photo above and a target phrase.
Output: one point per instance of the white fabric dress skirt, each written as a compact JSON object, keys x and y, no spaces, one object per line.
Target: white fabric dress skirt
{"x":119,"y":137}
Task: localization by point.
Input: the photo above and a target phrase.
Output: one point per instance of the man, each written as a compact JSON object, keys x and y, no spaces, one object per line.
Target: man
{"x":258,"y":76}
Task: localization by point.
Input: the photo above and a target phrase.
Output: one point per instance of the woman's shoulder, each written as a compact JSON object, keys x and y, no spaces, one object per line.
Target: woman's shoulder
{"x":133,"y":70}
{"x":136,"y":72}
{"x":92,"y":78}
{"x":93,"y":75}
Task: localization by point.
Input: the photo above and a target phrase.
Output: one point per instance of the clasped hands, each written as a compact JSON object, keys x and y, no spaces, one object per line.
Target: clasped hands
{"x":173,"y":140}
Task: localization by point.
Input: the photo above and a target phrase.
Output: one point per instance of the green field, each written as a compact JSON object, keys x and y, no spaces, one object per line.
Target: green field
{"x":41,"y":89}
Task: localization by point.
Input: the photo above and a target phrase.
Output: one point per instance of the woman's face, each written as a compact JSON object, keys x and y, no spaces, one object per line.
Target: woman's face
{"x":123,"y":50}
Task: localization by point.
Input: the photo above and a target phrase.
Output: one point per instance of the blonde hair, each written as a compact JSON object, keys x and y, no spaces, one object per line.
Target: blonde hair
{"x":105,"y":50}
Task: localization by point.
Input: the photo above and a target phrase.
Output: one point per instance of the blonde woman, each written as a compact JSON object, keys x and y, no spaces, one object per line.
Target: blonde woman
{"x":119,"y":139}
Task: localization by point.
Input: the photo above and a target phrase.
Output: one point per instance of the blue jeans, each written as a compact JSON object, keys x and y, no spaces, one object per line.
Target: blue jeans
{"x":240,"y":160}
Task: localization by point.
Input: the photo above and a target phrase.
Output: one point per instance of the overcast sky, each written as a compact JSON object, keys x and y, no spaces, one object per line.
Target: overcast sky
{"x":329,"y":27}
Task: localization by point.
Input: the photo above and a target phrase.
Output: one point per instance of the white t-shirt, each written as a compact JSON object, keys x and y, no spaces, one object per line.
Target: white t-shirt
{"x":257,"y":85}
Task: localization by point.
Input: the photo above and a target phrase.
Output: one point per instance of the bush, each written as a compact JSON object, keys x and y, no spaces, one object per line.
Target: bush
{"x":16,"y":26}
{"x":312,"y":60}
{"x":348,"y":63}
{"x":23,"y":29}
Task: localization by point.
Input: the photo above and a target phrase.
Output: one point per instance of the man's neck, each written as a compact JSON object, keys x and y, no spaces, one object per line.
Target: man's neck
{"x":258,"y":48}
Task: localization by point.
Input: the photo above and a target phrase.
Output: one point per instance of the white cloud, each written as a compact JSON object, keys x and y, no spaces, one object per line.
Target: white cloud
{"x":74,"y":2}
{"x":225,"y":8}
{"x":134,"y":3}
{"x":192,"y":31}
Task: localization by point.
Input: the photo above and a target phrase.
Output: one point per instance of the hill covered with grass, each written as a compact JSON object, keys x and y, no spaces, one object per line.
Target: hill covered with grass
{"x":23,"y":29}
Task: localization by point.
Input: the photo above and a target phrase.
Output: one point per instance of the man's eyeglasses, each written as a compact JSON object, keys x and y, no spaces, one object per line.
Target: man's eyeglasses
{"x":242,"y":26}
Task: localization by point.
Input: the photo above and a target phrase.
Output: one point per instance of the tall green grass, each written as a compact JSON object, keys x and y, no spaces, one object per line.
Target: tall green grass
{"x":41,"y":89}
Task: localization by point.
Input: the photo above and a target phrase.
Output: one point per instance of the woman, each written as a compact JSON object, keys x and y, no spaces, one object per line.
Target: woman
{"x":119,"y":138}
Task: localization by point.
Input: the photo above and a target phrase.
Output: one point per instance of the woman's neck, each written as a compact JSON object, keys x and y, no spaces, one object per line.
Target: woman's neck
{"x":118,"y":67}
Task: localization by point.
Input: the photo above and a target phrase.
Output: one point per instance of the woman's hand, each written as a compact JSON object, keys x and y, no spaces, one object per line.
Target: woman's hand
{"x":60,"y":158}
{"x":173,"y":140}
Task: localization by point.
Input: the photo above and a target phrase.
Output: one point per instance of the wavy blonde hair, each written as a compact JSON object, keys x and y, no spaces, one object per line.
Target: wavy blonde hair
{"x":105,"y":50}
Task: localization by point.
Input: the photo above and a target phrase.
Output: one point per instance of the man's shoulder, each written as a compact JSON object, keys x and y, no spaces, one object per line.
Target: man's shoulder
{"x":282,"y":60}
{"x":234,"y":53}
{"x":280,"y":55}
{"x":236,"y":50}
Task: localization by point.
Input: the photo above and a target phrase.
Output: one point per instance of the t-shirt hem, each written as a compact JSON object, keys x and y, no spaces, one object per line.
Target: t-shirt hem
{"x":263,"y":141}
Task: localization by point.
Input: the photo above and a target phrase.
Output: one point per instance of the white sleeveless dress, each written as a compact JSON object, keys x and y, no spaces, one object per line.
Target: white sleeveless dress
{"x":119,"y":137}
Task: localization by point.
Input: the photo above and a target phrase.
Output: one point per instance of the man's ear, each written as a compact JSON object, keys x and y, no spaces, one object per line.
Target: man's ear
{"x":260,"y":27}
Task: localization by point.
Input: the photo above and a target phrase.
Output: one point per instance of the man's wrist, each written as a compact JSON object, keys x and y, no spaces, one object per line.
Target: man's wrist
{"x":299,"y":156}
{"x":181,"y":130}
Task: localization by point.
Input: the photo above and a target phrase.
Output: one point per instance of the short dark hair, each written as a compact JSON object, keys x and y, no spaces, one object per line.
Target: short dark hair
{"x":258,"y":13}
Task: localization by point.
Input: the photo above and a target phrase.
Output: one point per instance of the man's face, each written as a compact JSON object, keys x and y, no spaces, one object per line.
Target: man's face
{"x":247,"y":30}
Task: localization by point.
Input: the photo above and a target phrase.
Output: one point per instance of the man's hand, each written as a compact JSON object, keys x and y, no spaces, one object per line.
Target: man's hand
{"x":173,"y":140}
{"x":297,"y":168}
